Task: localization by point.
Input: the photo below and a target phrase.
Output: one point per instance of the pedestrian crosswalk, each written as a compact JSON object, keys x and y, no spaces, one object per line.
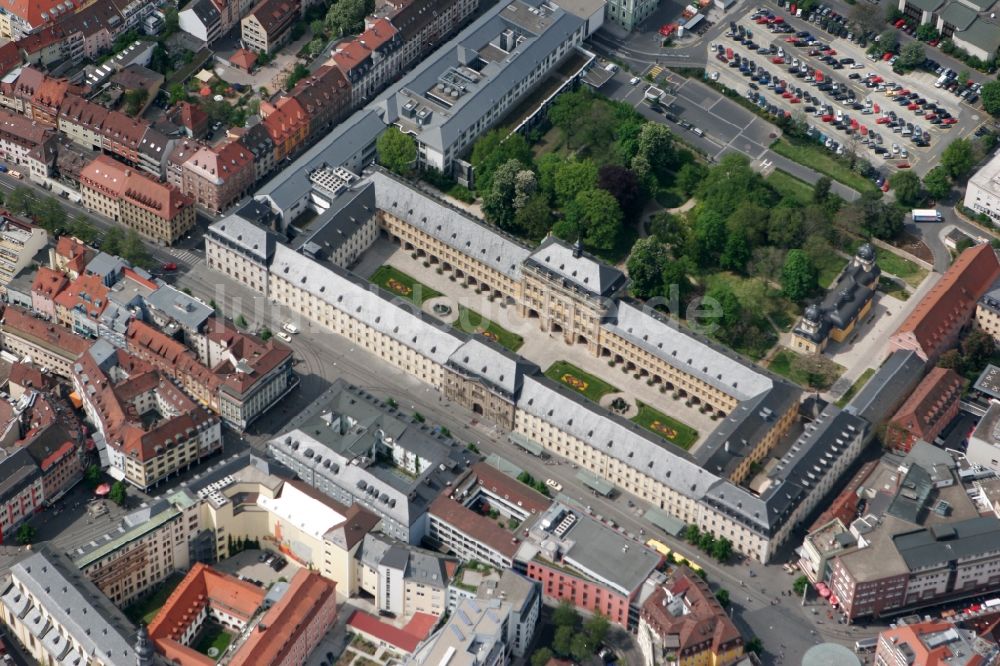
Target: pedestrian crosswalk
{"x":186,"y":256}
{"x":656,"y":70}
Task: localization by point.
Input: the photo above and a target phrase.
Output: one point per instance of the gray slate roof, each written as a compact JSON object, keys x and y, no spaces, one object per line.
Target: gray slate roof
{"x":586,"y":273}
{"x":618,"y":438}
{"x":341,"y":147}
{"x":399,"y":320}
{"x":74,"y":603}
{"x":888,"y":388}
{"x":347,"y":213}
{"x":981,"y":33}
{"x":688,"y":353}
{"x":254,"y":240}
{"x":496,"y":366}
{"x":185,"y":309}
{"x":958,"y":15}
{"x":448,"y":224}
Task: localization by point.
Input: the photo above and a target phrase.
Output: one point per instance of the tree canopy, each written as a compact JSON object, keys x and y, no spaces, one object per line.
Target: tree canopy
{"x":799,"y":275}
{"x":957,"y":159}
{"x":937,"y":183}
{"x":906,"y":184}
{"x":990,"y":94}
{"x":397,"y":151}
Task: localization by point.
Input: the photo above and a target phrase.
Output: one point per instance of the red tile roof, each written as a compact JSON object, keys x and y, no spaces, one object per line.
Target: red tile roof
{"x":920,"y":417}
{"x":379,"y":34}
{"x":931,"y":326}
{"x":114,"y":403}
{"x":49,"y":282}
{"x":87,"y":293}
{"x":705,"y":626}
{"x":284,"y":625}
{"x":350,"y":55}
{"x":244,"y":59}
{"x":191,"y":116}
{"x":38,"y":12}
{"x":27,"y":375}
{"x":118,"y":181}
{"x":75,"y":253}
{"x":169,"y":355}
{"x":202,"y":586}
{"x":51,"y":92}
{"x":285,"y":119}
{"x":37,"y":41}
{"x":406,"y":639}
{"x":922,"y":654}
{"x":261,"y":357}
{"x":10,"y":57}
{"x":219,"y":164}
{"x":18,"y":322}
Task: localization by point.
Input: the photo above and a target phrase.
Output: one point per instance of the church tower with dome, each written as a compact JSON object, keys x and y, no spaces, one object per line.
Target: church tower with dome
{"x":845,"y":304}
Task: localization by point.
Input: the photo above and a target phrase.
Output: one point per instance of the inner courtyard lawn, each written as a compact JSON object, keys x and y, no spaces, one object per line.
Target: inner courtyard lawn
{"x":579,"y":380}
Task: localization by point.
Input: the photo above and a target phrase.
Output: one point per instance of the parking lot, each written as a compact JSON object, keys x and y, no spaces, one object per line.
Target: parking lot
{"x":850,"y":101}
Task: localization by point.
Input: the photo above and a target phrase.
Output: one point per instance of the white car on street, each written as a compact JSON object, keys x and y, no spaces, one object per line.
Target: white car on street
{"x":284,"y":336}
{"x":554,"y":485}
{"x":290,"y":327}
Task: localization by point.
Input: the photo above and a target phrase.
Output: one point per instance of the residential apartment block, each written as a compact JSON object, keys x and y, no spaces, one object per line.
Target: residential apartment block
{"x":49,"y":345}
{"x":215,"y":177}
{"x":145,"y":548}
{"x":683,"y":623}
{"x":21,"y":492}
{"x":20,"y":243}
{"x":476,"y":634}
{"x":150,"y":429}
{"x":267,"y":27}
{"x":156,"y":210}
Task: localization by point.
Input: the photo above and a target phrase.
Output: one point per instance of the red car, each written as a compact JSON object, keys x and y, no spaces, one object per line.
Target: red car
{"x":930,"y":116}
{"x":795,"y":100}
{"x":900,"y":23}
{"x":778,"y":19}
{"x":170,"y":266}
{"x":887,"y":56}
{"x":827,"y":117}
{"x":778,"y":60}
{"x":885,"y":185}
{"x":904,"y":91}
{"x":881,"y":121}
{"x":830,"y":52}
{"x":934,"y":42}
{"x":949,"y":121}
{"x":786,"y":95}
{"x":903,"y":165}
{"x":913,"y":107}
{"x":761,"y":20}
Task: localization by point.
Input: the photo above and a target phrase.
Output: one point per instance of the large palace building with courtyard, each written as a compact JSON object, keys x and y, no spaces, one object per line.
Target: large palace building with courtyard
{"x":577,"y":298}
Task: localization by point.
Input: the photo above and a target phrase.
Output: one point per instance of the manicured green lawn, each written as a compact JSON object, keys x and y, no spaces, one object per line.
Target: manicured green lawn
{"x":581,"y":381}
{"x":212,"y":635}
{"x":782,"y":364}
{"x":790,"y":187}
{"x":855,"y":387}
{"x":400,"y":284}
{"x":145,"y":609}
{"x":822,"y":160}
{"x":470,"y":321}
{"x":666,"y":427}
{"x":901,"y":267}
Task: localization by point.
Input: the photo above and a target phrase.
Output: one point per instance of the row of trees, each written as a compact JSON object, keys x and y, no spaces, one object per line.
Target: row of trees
{"x":721,"y":549}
